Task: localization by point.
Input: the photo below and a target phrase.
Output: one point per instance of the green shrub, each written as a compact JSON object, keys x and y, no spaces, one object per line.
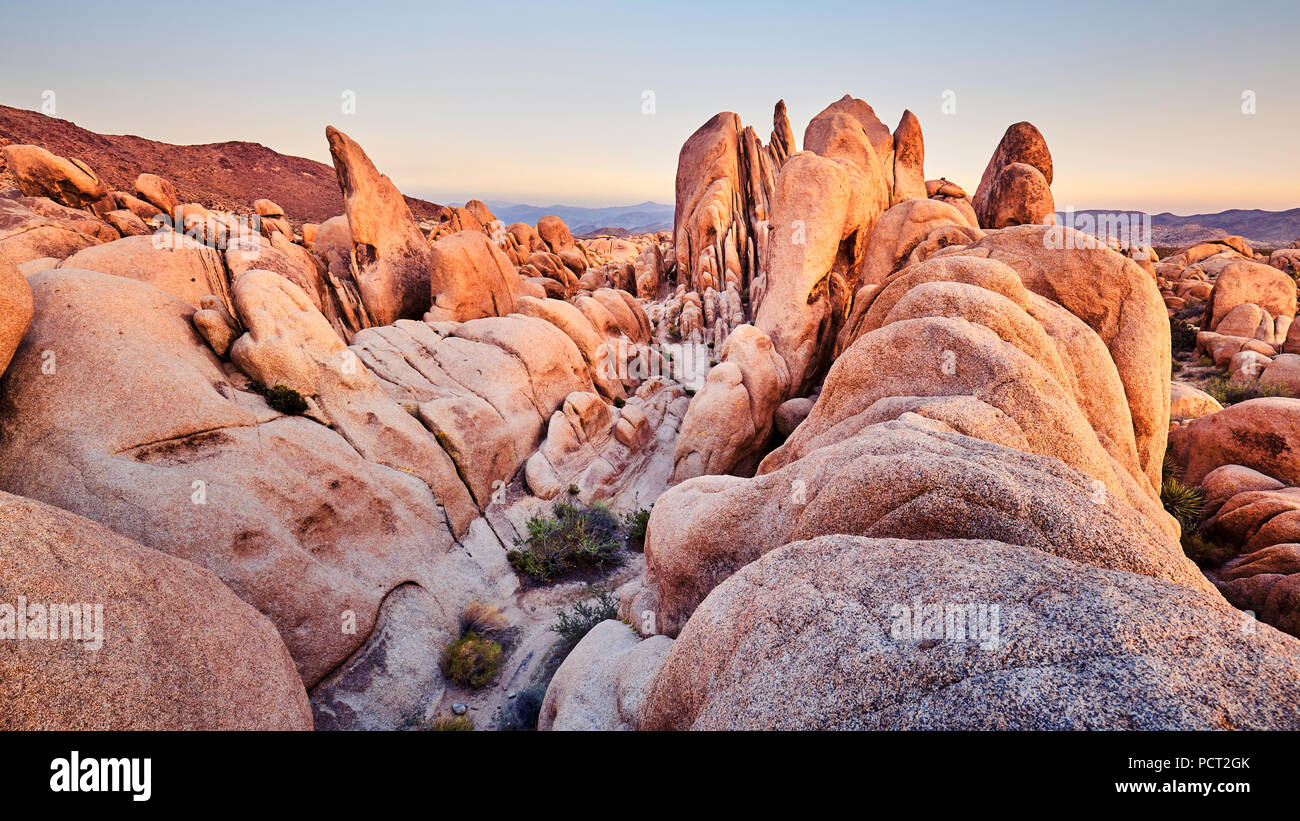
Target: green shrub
{"x":286,"y":400}
{"x":1182,"y":336}
{"x":634,"y":524}
{"x":472,"y":661}
{"x":619,"y":401}
{"x":453,"y":724}
{"x":574,"y":537}
{"x":1183,"y":502}
{"x":578,"y":620}
{"x":1227,"y":392}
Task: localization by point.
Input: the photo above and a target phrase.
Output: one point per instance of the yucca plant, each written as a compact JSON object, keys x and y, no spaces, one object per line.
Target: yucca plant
{"x":1182,"y":501}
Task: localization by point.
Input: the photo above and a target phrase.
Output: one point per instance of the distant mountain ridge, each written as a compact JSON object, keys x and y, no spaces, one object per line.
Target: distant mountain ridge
{"x":642,"y":218}
{"x":1266,"y":229}
{"x":227,"y":176}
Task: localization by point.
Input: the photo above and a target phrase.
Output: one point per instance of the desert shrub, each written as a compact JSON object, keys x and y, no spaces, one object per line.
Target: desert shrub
{"x":1203,"y":550}
{"x":572,"y":538}
{"x":285,"y":399}
{"x":635,"y":524}
{"x":578,"y":620}
{"x":619,"y":401}
{"x":453,"y":724}
{"x":522,"y":711}
{"x":472,"y":661}
{"x":486,"y":620}
{"x":1182,"y":335}
{"x":1228,"y":392}
{"x":1182,"y":501}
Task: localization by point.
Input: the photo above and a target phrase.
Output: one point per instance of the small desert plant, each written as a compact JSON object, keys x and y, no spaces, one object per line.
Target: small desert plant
{"x":484,"y":620}
{"x":286,"y":400}
{"x":1228,"y":392}
{"x":1183,"y":502}
{"x":472,"y":661}
{"x":1182,"y":336}
{"x":522,"y":712}
{"x":619,"y":401}
{"x":578,"y":620}
{"x":454,"y":724}
{"x":1203,"y":550}
{"x":635,"y":525}
{"x":574,"y":537}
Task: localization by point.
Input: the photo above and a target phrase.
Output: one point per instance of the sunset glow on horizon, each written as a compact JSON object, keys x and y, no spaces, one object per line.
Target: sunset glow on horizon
{"x":1140,"y":107}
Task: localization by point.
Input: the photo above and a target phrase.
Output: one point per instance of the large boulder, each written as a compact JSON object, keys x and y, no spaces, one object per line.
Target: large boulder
{"x":27,"y":235}
{"x":42,"y":174}
{"x":471,"y":278}
{"x":392,"y":255}
{"x":844,"y":633}
{"x":1114,"y":297}
{"x":823,"y":211}
{"x":181,"y":266}
{"x":1250,"y":283}
{"x":161,"y":644}
{"x":1015,"y":188}
{"x":1262,"y":434}
{"x":905,"y":226}
{"x":723,"y":185}
{"x":728,"y":423}
{"x":829,"y":134}
{"x":484,"y":388}
{"x":116,"y":410}
{"x":914,"y":477}
{"x":158,"y":192}
{"x":15,"y":312}
{"x":601,"y":684}
{"x":909,"y":160}
{"x":554,"y":233}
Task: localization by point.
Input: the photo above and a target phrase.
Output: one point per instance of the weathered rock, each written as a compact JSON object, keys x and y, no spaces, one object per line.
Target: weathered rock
{"x":602,"y":683}
{"x":1263,"y":434}
{"x":392,"y":256}
{"x":15,"y":312}
{"x":39,"y":173}
{"x":909,"y":161}
{"x":131,"y":422}
{"x":915,"y":477}
{"x":823,"y":211}
{"x":471,"y":278}
{"x":555,"y":234}
{"x":904,"y":227}
{"x":1024,"y":197}
{"x":149,"y":626}
{"x":27,"y":235}
{"x":183,"y":267}
{"x":729,"y":421}
{"x":158,"y":192}
{"x":819,"y":635}
{"x":1244,"y":282}
{"x":1187,"y":402}
{"x":1117,"y":299}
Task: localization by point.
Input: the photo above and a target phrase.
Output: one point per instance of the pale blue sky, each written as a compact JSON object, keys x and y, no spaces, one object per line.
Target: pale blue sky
{"x":542,"y":103}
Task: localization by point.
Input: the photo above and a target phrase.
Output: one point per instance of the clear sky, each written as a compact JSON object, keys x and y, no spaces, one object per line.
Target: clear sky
{"x":1141,"y":103}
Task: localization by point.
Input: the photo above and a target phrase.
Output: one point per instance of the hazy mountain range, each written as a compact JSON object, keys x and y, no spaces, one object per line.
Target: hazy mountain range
{"x":642,"y":218}
{"x":1263,"y":229}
